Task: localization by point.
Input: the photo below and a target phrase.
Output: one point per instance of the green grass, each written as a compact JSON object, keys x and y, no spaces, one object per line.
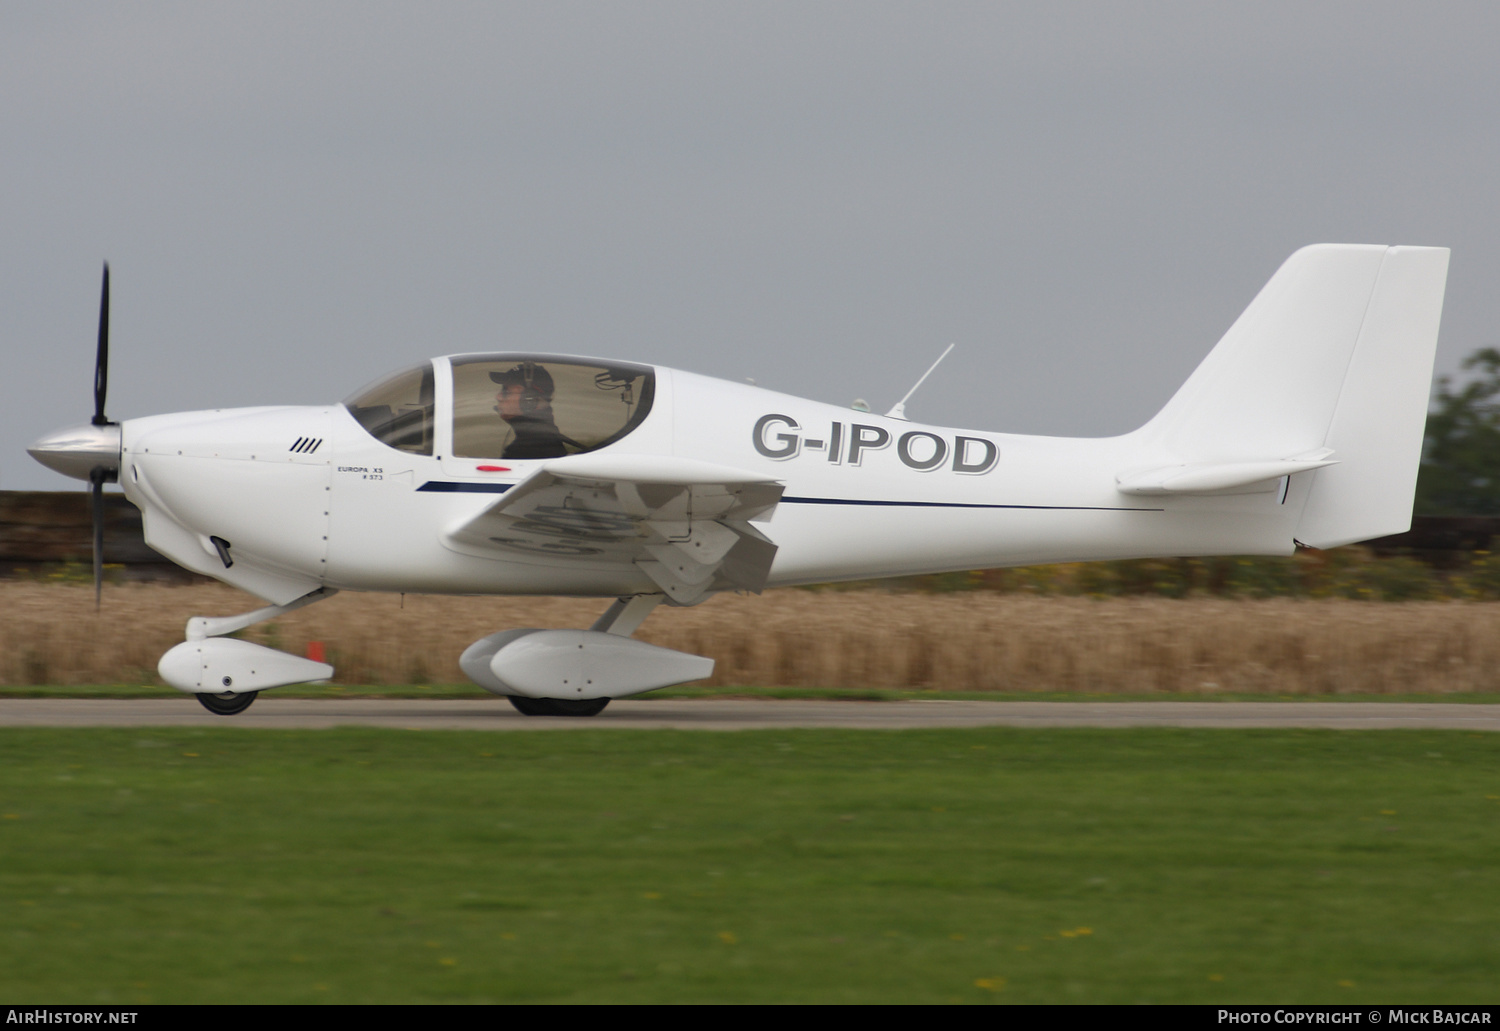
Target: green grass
{"x":225,"y":865}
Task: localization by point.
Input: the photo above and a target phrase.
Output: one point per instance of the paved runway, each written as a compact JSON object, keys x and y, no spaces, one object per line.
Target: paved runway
{"x":715,"y":714}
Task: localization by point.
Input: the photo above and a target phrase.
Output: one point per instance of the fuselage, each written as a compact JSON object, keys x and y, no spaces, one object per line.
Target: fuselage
{"x":279,"y":501}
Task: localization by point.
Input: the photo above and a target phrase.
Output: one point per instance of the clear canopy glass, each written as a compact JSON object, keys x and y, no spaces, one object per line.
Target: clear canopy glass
{"x":398,"y":410}
{"x":515,"y":406}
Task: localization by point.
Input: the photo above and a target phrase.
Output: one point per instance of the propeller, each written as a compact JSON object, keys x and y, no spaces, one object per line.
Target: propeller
{"x":90,"y":452}
{"x":100,"y":474}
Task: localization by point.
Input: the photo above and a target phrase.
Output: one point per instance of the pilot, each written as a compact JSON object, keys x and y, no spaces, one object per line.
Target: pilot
{"x":525,"y":403}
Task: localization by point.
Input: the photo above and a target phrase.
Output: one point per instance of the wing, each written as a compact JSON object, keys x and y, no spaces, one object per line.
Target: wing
{"x":684,"y":523}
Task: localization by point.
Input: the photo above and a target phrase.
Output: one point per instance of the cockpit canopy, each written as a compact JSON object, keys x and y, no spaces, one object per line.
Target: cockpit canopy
{"x":509,"y":406}
{"x":398,"y":410}
{"x":534,"y":406}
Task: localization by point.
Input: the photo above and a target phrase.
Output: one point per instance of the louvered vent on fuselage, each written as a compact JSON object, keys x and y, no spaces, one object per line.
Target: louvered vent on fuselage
{"x":306,"y":445}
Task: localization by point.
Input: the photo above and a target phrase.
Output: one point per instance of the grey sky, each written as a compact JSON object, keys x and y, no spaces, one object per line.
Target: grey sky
{"x":295,"y":197}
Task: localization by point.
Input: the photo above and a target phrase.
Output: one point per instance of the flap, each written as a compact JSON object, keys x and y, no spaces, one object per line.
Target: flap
{"x":684,"y":523}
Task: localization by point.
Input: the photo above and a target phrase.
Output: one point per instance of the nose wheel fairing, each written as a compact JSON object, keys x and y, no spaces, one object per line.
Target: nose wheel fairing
{"x":220,"y":665}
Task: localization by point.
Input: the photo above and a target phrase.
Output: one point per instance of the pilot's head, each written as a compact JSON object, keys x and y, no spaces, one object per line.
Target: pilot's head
{"x":525,"y":389}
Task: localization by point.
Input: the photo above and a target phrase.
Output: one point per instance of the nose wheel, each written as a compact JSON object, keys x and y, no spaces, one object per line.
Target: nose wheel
{"x":557,"y":706}
{"x":229,"y":703}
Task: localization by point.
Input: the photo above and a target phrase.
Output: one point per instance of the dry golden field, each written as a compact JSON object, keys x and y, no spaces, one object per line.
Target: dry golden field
{"x":970,"y":641}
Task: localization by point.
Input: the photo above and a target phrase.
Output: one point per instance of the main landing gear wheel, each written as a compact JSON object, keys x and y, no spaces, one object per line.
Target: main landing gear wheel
{"x":556,"y":706}
{"x":227,"y":704}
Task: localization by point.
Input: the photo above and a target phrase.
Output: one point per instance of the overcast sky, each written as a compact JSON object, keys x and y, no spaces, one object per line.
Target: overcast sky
{"x":295,"y":197}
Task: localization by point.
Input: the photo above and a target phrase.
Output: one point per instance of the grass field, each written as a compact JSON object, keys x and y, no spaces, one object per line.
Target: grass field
{"x":860,"y":641}
{"x":985,"y":865}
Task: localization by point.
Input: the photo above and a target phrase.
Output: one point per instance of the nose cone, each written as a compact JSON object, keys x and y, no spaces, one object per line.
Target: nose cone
{"x":77,"y":451}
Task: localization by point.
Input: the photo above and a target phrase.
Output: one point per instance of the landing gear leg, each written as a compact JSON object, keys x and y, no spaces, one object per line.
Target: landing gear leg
{"x":625,"y":615}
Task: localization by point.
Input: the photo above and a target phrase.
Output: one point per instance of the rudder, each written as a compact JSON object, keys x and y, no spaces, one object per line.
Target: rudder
{"x":1380,"y":421}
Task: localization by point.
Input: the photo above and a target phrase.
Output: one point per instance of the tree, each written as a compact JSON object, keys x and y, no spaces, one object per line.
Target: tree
{"x":1460,"y":473}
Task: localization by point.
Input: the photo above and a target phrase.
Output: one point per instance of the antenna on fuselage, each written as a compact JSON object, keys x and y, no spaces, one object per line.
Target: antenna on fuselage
{"x":899,"y":410}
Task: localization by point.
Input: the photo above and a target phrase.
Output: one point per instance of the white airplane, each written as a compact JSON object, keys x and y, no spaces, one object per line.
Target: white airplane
{"x":561,"y":475}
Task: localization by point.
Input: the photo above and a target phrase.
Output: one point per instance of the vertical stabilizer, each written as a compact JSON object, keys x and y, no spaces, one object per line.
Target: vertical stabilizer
{"x":1269,"y":388}
{"x":1332,"y":362}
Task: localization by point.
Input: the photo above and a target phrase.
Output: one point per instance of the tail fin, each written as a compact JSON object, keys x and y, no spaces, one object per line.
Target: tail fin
{"x":1334,"y":353}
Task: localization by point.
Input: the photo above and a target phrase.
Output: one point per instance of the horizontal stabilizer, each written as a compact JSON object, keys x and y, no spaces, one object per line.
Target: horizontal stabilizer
{"x":1206,"y":478}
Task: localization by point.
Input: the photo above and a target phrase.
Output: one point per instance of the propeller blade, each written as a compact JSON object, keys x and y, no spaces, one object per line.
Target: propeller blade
{"x":99,"y":474}
{"x":96,"y":478}
{"x":101,"y":361}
